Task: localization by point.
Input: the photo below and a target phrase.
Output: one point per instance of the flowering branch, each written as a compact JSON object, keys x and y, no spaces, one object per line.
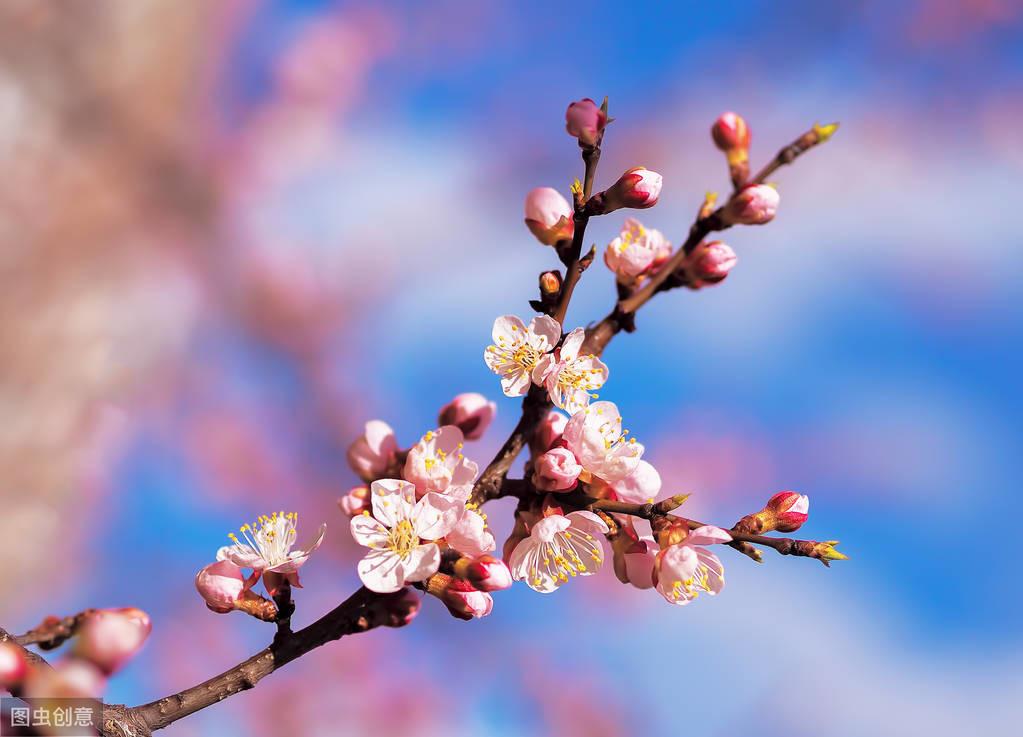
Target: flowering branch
{"x":53,"y":632}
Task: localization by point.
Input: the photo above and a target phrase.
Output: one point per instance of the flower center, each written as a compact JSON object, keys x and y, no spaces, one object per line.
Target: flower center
{"x":402,"y":539}
{"x":270,"y":536}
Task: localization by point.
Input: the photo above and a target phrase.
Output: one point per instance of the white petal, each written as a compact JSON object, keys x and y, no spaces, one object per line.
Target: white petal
{"x":508,"y":330}
{"x":547,"y":330}
{"x":434,"y":515}
{"x":382,"y":571}
{"x":368,"y":531}
{"x":421,"y":563}
{"x":392,"y":500}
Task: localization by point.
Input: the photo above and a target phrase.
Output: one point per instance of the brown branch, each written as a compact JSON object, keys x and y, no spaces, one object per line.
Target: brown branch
{"x":360,"y":612}
{"x":816,"y":135}
{"x":53,"y":632}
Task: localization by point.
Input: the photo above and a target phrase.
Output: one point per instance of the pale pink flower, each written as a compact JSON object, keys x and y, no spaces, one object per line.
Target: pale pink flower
{"x":559,"y":547}
{"x":556,"y":470}
{"x":485,"y":573}
{"x":400,"y":535}
{"x":568,"y":377}
{"x":634,"y":561}
{"x":596,"y":437}
{"x":639,"y":487}
{"x":266,"y":547}
{"x":471,"y":413}
{"x":223,"y":584}
{"x":356,"y":501}
{"x":517,"y":350}
{"x":69,"y":678}
{"x":585,"y":121}
{"x":710,"y":262}
{"x":637,"y":188}
{"x":13,"y":666}
{"x":684,"y":570}
{"x":470,"y":534}
{"x":466,"y":602}
{"x":789,"y":510}
{"x":549,"y":217}
{"x":755,"y":204}
{"x":730,"y":132}
{"x":436,"y":463}
{"x":634,"y":250}
{"x":372,"y":453}
{"x":110,"y":637}
{"x":548,"y":432}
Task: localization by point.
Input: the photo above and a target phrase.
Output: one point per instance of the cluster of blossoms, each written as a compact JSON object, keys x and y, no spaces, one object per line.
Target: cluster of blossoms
{"x":587,"y":489}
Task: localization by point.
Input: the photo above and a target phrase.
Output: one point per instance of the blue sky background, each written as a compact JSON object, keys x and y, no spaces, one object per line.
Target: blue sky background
{"x":865,"y":351}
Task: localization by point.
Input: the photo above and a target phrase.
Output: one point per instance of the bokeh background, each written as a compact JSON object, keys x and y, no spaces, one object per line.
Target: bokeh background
{"x":232,"y":232}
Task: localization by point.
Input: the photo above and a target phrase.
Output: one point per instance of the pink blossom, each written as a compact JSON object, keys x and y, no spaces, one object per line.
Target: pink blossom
{"x":755,"y":204}
{"x":517,"y":350}
{"x":436,"y":463}
{"x":465,"y":602}
{"x":13,"y":666}
{"x":634,"y":558}
{"x":70,"y":678}
{"x":639,"y":487}
{"x":471,"y":413}
{"x":569,"y":377}
{"x":596,"y":437}
{"x":470,"y":534}
{"x":637,"y":188}
{"x":683,"y":570}
{"x":401,"y":535}
{"x":789,"y":510}
{"x":266,"y":547}
{"x":710,"y":262}
{"x":486,"y":573}
{"x":585,"y":121}
{"x":559,"y":547}
{"x":356,"y":501}
{"x":556,"y":470}
{"x":222,"y":585}
{"x":730,"y":132}
{"x":371,"y":455}
{"x":549,"y":217}
{"x":634,"y":250}
{"x":111,"y":637}
{"x":548,"y":432}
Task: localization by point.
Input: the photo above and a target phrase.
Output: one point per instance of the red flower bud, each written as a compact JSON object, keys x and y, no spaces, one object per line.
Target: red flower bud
{"x":585,"y":120}
{"x":730,"y":132}
{"x":788,"y":509}
{"x":637,"y":188}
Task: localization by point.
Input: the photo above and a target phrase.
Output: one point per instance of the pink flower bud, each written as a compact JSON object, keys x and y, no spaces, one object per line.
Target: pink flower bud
{"x":111,"y":637}
{"x":549,"y":216}
{"x":585,"y":120}
{"x":13,"y":666}
{"x":355,"y":502}
{"x":711,"y":262}
{"x":465,"y":602}
{"x":550,"y":283}
{"x":70,"y":678}
{"x":753,"y":205}
{"x":556,"y":470}
{"x":730,"y":132}
{"x":401,"y":607}
{"x":485,"y":573}
{"x":548,"y":432}
{"x":638,"y":188}
{"x":373,"y":452}
{"x":222,"y":585}
{"x":789,"y":510}
{"x":634,"y":250}
{"x":471,"y":413}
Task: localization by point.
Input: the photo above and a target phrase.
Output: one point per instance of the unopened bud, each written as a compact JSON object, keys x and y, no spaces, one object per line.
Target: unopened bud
{"x":485,"y":573}
{"x":709,"y":263}
{"x":460,"y":597}
{"x":401,"y":607}
{"x":633,"y":558}
{"x":752,"y":205}
{"x":471,"y":413}
{"x":585,"y":120}
{"x":788,"y":510}
{"x":549,"y":216}
{"x":373,"y":453}
{"x":825,"y":552}
{"x":637,"y":188}
{"x":550,"y":283}
{"x":355,"y":502}
{"x":548,"y":432}
{"x":669,"y":530}
{"x":225,"y":589}
{"x":556,"y":470}
{"x":70,"y":678}
{"x":13,"y":666}
{"x":111,"y":637}
{"x":732,"y":135}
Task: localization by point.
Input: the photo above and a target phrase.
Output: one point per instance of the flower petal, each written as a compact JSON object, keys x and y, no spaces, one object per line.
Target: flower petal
{"x":421,"y":563}
{"x":573,"y":342}
{"x":434,"y":515}
{"x":242,"y":555}
{"x":548,"y":331}
{"x":392,"y":500}
{"x":368,"y":531}
{"x":508,"y":330}
{"x":707,"y":535}
{"x":382,"y":571}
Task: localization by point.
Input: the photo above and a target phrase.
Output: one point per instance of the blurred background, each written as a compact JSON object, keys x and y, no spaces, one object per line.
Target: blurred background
{"x":232,"y":232}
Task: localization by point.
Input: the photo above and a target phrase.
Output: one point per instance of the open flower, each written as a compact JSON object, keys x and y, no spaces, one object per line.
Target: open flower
{"x":568,"y":377}
{"x":596,"y":437}
{"x":559,"y":547}
{"x":470,"y":534}
{"x":266,"y":547}
{"x":401,"y":533}
{"x":634,"y":250}
{"x":517,"y":350}
{"x":683,"y":570}
{"x":436,"y":463}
